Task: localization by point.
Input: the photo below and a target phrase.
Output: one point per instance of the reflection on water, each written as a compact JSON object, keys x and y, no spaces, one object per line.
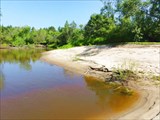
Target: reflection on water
{"x":32,"y":89}
{"x":22,"y":57}
{"x":1,"y":78}
{"x":108,"y":99}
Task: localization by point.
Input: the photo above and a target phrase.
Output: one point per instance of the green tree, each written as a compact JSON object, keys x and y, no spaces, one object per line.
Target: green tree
{"x":98,"y":29}
{"x":39,"y":36}
{"x":65,"y":35}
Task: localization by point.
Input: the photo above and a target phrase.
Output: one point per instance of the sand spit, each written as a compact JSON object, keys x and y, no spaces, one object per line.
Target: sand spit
{"x":136,"y":57}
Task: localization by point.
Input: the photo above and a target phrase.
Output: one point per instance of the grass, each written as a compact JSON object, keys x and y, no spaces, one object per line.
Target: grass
{"x":124,"y":75}
{"x":121,"y":76}
{"x":126,"y":71}
{"x":114,"y":44}
{"x":4,"y":45}
{"x":144,"y":43}
{"x":67,"y":46}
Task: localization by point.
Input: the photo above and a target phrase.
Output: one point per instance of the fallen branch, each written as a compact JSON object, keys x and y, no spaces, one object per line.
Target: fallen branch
{"x":103,"y":69}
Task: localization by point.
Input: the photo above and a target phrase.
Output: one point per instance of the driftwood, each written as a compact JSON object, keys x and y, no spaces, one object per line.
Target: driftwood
{"x":103,"y":69}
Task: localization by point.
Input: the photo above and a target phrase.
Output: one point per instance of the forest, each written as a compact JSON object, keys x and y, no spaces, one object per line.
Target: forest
{"x":118,"y":21}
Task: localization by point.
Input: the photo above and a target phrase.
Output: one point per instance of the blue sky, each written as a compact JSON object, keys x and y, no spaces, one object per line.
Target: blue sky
{"x":43,"y":13}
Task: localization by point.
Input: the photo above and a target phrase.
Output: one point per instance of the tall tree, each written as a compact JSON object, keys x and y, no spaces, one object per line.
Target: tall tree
{"x":98,"y":29}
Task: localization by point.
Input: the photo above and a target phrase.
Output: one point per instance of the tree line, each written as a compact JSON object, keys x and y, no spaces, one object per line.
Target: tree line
{"x":118,"y":21}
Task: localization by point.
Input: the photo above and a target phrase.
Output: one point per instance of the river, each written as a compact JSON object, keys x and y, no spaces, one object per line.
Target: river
{"x":33,"y":89}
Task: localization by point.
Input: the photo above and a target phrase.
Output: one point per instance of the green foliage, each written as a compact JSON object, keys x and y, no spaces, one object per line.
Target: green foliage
{"x":124,"y":75}
{"x":144,"y":43}
{"x":127,"y":71}
{"x":65,"y":46}
{"x":138,"y":35}
{"x":119,"y":21}
{"x":24,"y":56}
{"x":4,"y":45}
{"x":136,"y":20}
{"x":18,"y":41}
{"x":98,"y":29}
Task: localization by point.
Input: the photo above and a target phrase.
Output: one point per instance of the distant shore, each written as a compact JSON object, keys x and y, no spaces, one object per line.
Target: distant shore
{"x":22,"y":47}
{"x":146,"y":59}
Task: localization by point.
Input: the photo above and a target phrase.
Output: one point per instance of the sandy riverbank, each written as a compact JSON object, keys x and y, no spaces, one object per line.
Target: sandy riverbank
{"x":142,"y":58}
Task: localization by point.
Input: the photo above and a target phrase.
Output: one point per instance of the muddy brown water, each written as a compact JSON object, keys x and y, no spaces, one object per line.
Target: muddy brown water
{"x":32,"y":89}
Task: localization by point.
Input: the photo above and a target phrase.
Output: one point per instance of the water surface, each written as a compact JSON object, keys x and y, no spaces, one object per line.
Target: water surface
{"x":32,"y":89}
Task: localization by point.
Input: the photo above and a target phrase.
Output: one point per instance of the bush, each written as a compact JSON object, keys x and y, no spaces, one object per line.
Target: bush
{"x":18,"y":42}
{"x":66,"y":46}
